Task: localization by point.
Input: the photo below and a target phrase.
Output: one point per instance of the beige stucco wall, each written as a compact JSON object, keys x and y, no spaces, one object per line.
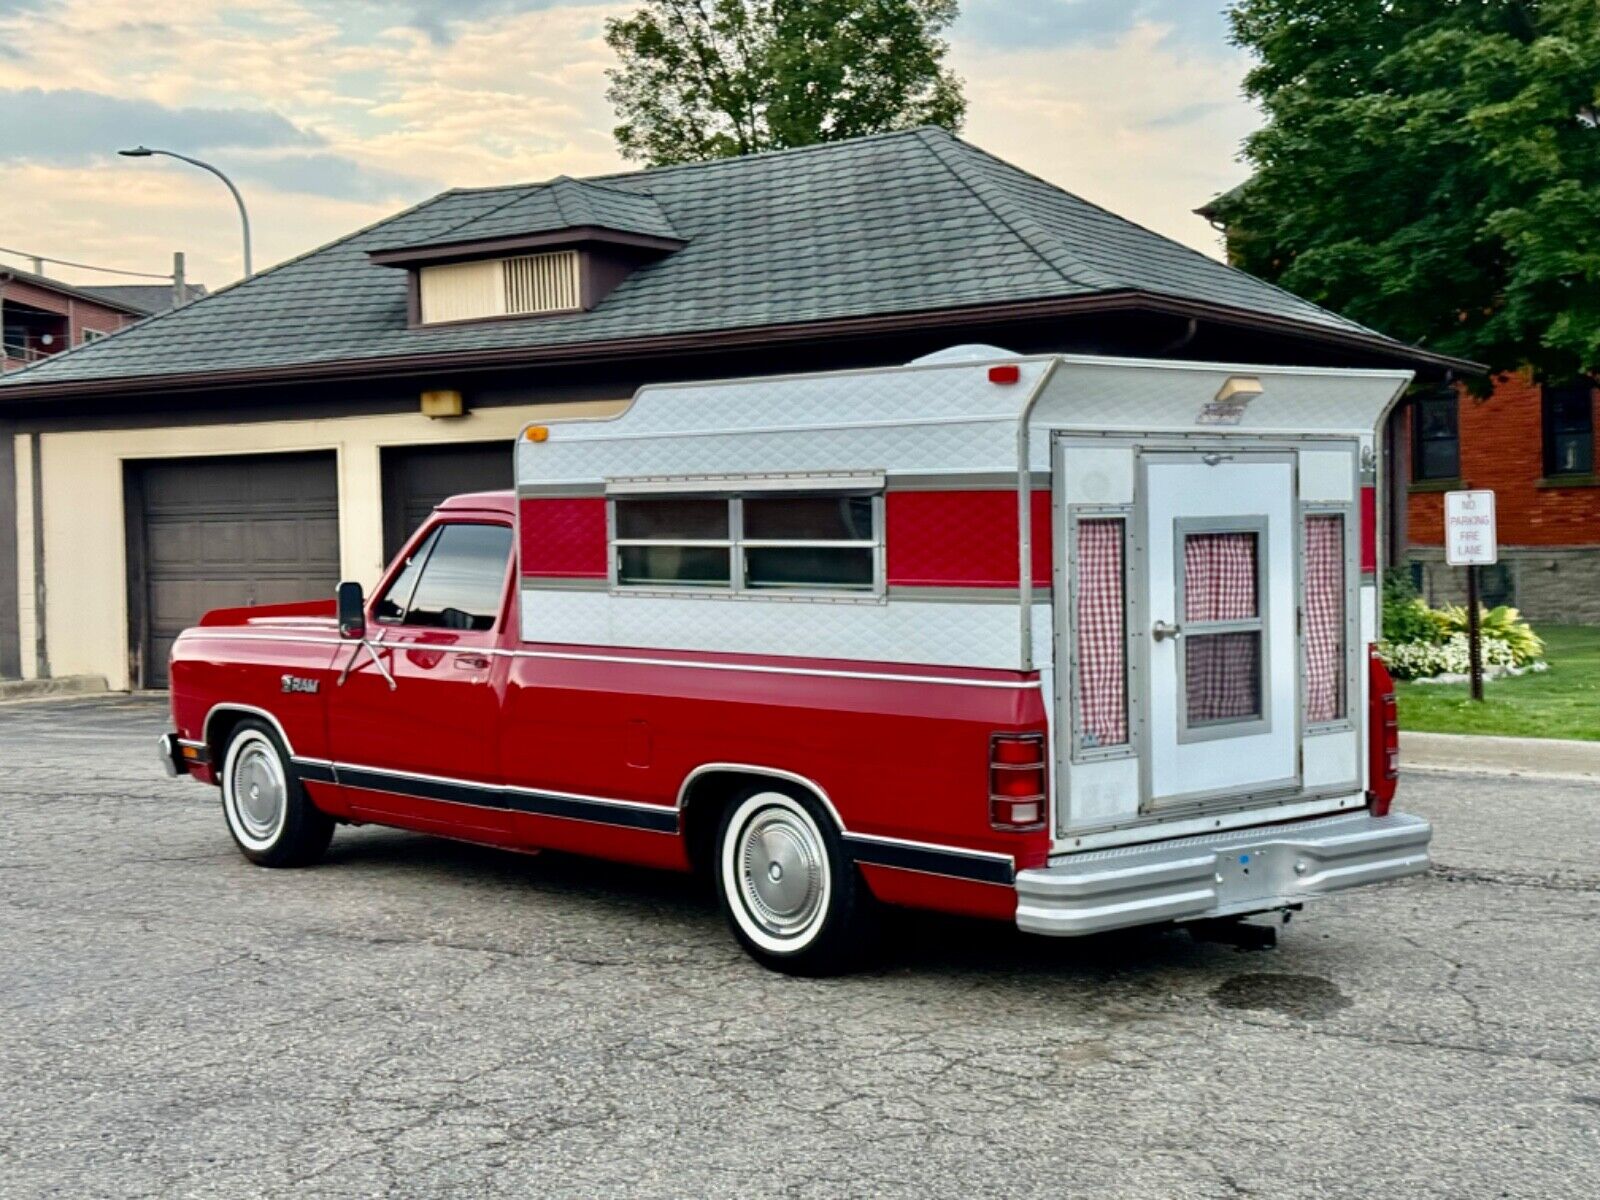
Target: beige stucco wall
{"x":86,"y":607}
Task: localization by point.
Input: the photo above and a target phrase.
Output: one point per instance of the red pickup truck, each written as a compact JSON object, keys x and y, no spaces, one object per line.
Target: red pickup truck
{"x":929,"y":637}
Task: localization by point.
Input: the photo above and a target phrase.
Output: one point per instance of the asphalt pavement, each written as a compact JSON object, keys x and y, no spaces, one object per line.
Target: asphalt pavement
{"x":422,"y":1018}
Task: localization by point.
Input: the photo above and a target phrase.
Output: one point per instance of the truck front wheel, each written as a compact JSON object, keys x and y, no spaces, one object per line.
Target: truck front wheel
{"x":272,"y":820}
{"x":791,"y":897}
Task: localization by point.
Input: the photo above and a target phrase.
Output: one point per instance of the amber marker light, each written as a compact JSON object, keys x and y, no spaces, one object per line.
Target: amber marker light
{"x":537,"y":433}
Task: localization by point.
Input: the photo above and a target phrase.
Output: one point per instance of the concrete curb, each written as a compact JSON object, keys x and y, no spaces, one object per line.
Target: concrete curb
{"x":1536,"y":758}
{"x":40,"y":689}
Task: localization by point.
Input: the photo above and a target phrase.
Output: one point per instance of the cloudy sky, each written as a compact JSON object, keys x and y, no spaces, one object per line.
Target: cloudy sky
{"x":331,"y":114}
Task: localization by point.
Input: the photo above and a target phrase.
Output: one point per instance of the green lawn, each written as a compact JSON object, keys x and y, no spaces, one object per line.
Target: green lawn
{"x":1563,"y":702}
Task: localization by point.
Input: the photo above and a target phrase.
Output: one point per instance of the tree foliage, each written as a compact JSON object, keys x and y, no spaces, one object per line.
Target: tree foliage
{"x":706,"y":79}
{"x":1430,"y":168}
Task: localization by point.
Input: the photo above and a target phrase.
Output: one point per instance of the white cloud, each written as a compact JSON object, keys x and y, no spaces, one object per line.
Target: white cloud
{"x":1135,"y":118}
{"x":1141,"y":124}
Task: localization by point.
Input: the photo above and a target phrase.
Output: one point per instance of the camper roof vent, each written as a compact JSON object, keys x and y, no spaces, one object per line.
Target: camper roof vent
{"x":972,"y":352}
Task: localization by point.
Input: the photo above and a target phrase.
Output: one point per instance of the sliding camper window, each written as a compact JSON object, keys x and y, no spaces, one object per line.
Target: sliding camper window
{"x":777,"y":543}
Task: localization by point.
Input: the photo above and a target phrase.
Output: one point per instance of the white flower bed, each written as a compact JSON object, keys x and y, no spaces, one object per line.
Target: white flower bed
{"x":1422,"y":660}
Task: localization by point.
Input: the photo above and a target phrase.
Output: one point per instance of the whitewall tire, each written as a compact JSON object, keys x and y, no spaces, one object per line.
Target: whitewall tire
{"x":272,"y":821}
{"x":792,"y":899}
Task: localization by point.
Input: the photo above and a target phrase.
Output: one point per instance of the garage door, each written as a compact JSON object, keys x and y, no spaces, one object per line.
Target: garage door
{"x":416,"y":478}
{"x":219,"y":532}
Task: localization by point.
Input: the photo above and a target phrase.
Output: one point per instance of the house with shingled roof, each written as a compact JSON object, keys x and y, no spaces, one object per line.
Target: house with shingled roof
{"x":290,"y":430}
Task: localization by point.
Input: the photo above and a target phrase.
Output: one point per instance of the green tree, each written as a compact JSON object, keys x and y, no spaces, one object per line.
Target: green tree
{"x":1430,"y":168}
{"x":706,"y":79}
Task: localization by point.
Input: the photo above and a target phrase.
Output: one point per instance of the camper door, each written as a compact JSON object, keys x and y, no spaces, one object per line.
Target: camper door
{"x":1218,"y":610}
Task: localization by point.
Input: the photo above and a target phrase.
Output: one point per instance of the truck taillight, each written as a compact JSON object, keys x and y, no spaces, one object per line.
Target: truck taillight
{"x":1018,"y":791}
{"x":1383,"y":735}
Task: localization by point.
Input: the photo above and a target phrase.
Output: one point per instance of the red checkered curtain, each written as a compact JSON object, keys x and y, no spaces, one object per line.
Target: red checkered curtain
{"x":1219,"y":577}
{"x":1325,"y":617}
{"x":1222,"y":671}
{"x":1102,"y":679}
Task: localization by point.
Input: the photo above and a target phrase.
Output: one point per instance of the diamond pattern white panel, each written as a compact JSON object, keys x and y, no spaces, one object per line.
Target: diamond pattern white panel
{"x":916,"y":419}
{"x":1100,"y":394}
{"x":900,"y":631}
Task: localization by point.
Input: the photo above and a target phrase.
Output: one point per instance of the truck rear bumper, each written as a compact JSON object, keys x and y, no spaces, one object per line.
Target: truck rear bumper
{"x":1218,"y":875}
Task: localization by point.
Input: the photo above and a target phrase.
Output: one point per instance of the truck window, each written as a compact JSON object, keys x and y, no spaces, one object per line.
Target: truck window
{"x":462,"y":579}
{"x":391,"y":606}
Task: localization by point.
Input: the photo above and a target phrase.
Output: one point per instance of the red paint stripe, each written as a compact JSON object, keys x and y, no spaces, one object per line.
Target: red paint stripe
{"x":1369,"y":530}
{"x":933,"y":539}
{"x":564,"y":537}
{"x":962,"y":539}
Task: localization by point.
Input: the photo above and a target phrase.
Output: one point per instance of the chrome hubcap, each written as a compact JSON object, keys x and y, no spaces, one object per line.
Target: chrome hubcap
{"x":781,"y":869}
{"x":259,"y":791}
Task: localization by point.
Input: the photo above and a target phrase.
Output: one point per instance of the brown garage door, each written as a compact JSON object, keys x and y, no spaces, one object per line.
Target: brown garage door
{"x":219,"y":532}
{"x":416,"y":478}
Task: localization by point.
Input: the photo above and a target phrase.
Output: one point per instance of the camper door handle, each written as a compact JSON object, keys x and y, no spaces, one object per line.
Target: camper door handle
{"x":1161,"y":631}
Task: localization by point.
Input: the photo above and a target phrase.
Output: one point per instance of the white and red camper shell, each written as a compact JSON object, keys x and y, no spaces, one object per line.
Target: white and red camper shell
{"x":1181,"y":556}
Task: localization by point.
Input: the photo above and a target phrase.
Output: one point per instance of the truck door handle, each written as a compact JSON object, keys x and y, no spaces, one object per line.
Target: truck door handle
{"x":472,"y":662}
{"x":1161,"y":630}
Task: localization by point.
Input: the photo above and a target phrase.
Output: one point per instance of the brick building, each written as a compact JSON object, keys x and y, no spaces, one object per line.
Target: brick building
{"x":41,"y":317}
{"x":1533,"y":445}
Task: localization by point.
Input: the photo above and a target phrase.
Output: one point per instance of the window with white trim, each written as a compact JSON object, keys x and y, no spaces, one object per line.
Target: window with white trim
{"x":776,"y":543}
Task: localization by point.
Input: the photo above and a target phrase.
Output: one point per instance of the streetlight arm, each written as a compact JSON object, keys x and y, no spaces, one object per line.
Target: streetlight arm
{"x":244,"y":217}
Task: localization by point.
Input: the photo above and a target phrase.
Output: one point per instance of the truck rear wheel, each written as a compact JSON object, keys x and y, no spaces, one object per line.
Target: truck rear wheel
{"x":791,"y":897}
{"x":272,"y":820}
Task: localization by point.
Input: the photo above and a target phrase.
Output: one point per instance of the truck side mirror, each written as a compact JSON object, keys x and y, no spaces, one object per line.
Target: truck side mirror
{"x":352,"y":611}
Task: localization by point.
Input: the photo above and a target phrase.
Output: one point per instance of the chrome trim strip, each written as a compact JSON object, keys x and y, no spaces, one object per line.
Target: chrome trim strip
{"x":810,"y":785}
{"x":784,"y":481}
{"x":233,"y":706}
{"x":992,"y":855}
{"x":963,"y":481}
{"x":948,"y":861}
{"x":562,"y":491}
{"x":656,"y":818}
{"x":767,"y":670}
{"x":631,"y":660}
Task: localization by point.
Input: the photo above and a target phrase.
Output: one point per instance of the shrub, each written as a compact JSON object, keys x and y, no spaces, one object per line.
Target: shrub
{"x":1503,"y":623}
{"x":1406,"y":617}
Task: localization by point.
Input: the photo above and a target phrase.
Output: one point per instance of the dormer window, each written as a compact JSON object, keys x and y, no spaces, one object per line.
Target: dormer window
{"x":560,"y":247}
{"x":528,"y":285}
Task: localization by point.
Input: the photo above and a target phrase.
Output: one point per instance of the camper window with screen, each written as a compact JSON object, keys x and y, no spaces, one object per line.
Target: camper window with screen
{"x":1223,"y":628}
{"x":782,"y":543}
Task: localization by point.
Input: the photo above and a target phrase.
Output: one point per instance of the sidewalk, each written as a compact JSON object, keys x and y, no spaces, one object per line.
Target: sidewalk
{"x":42,"y":689}
{"x":1534,"y":758}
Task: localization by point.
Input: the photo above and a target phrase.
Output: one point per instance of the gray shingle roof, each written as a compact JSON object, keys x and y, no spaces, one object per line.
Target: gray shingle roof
{"x":562,"y":203}
{"x":146,"y":297}
{"x":893,"y":223}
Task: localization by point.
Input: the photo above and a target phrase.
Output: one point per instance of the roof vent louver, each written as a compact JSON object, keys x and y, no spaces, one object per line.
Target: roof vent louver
{"x":528,"y":285}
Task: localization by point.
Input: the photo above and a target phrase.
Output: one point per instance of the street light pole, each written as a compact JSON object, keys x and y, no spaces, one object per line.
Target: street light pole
{"x":244,"y":217}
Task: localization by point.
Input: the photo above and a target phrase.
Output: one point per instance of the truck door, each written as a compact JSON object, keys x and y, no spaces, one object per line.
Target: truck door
{"x":410,"y":754}
{"x":1218,"y":612}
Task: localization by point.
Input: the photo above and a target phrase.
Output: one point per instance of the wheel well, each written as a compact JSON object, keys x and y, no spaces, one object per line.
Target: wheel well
{"x":709,"y":795}
{"x":219,"y":730}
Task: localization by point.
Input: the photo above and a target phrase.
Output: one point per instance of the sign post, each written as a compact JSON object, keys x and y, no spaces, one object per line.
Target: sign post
{"x":1469,"y":541}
